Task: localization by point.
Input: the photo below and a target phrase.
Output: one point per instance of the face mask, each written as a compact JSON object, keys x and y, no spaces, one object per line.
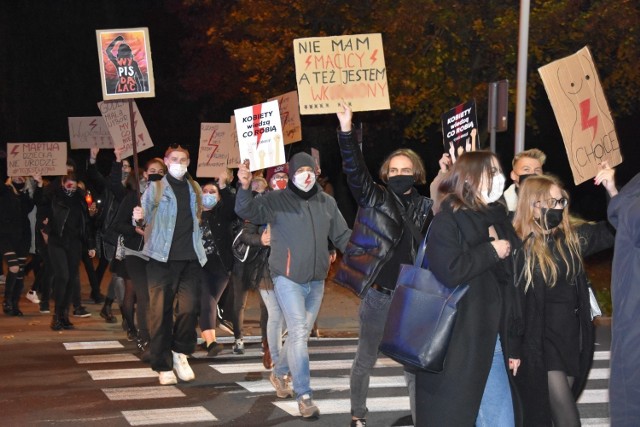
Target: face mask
{"x":497,"y":187}
{"x":553,"y":217}
{"x":400,"y":184}
{"x":209,"y":200}
{"x":125,"y":175}
{"x":304,"y":180}
{"x":69,"y":192}
{"x":522,"y":177}
{"x":152,"y":177}
{"x":278,"y":184}
{"x":177,"y":170}
{"x":18,"y":185}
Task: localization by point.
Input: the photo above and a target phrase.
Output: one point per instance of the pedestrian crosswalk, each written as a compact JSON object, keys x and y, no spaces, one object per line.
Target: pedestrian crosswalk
{"x":230,"y":387}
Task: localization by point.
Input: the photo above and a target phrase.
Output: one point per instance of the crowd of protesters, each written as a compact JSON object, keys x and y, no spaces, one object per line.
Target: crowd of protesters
{"x":522,"y":344}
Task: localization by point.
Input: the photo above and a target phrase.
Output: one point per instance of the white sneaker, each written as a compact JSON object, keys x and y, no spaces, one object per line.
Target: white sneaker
{"x":33,"y":297}
{"x":182,"y":368}
{"x":167,"y":378}
{"x":238,"y":347}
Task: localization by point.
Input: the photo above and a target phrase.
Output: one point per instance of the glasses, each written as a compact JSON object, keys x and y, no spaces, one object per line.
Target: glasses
{"x":553,"y":203}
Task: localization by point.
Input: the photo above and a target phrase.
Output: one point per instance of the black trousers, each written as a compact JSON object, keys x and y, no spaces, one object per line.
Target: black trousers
{"x":65,"y":261}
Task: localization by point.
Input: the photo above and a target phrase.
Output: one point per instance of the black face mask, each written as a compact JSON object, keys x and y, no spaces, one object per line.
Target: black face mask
{"x":18,"y":185}
{"x":553,"y":217}
{"x":400,"y":184}
{"x":521,"y":179}
{"x":154,"y":177}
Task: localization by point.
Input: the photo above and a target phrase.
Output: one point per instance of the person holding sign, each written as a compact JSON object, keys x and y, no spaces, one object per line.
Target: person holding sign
{"x":15,"y":237}
{"x":171,"y":215}
{"x":386,"y":233}
{"x":558,"y":340}
{"x":301,"y":219}
{"x":68,"y":228}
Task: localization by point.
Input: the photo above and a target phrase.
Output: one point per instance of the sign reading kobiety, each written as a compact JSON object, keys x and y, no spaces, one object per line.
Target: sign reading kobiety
{"x":214,"y":149}
{"x":126,"y":69}
{"x":330,"y":69}
{"x":583,"y":115}
{"x":460,"y":129}
{"x":259,"y":132}
{"x":36,"y":158}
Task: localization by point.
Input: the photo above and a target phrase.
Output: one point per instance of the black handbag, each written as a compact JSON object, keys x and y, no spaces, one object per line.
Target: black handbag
{"x":421,"y":317}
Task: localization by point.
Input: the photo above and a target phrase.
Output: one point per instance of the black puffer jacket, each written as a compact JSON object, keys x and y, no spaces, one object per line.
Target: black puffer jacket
{"x":379,"y":224}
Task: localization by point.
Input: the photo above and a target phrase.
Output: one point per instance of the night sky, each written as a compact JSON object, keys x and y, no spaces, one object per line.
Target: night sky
{"x":50,"y":71}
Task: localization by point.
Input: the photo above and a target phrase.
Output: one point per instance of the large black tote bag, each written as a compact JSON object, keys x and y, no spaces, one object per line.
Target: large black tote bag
{"x":421,"y":317}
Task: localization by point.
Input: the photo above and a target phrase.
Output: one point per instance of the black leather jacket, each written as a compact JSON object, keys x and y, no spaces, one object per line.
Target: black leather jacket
{"x":379,"y":224}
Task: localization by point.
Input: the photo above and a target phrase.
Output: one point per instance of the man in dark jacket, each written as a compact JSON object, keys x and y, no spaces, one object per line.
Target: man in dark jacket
{"x":385,"y":235}
{"x":301,"y":219}
{"x":624,"y":385}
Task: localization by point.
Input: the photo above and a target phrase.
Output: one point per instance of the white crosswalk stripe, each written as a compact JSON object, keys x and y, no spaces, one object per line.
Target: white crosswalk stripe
{"x":330,"y":363}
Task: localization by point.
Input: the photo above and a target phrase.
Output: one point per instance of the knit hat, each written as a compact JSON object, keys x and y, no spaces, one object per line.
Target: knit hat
{"x":299,"y":160}
{"x":276,"y":169}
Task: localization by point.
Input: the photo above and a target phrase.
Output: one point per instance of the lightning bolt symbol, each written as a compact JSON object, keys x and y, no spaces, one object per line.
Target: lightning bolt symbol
{"x":212,"y":135}
{"x":373,"y":56}
{"x":588,"y":122}
{"x":308,"y":180}
{"x":308,"y":62}
{"x":15,"y":150}
{"x":257,"y":109}
{"x":93,"y":124}
{"x":213,"y":152}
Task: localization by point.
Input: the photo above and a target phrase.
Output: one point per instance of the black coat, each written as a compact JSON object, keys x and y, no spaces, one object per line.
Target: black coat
{"x":459,"y":251}
{"x":379,"y":223}
{"x":532,"y":375}
{"x":220,"y":220}
{"x":14,"y":220}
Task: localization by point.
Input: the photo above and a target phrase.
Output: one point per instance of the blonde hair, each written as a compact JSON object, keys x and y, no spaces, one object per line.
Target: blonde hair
{"x":419,"y":173}
{"x":532,"y":153}
{"x":532,"y":231}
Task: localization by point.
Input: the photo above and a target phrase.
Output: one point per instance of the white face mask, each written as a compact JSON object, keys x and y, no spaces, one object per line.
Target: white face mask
{"x":304,"y":180}
{"x":497,"y":187}
{"x":177,"y":170}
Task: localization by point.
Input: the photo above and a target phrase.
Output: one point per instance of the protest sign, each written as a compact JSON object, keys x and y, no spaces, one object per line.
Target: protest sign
{"x":36,"y":158}
{"x":89,"y":132}
{"x":232,"y":140}
{"x":460,"y":129}
{"x":259,"y":131}
{"x":315,"y":153}
{"x":581,"y":109}
{"x":213,"y":152}
{"x":330,"y":69}
{"x":290,"y":116}
{"x":116,"y":116}
{"x":127,"y":73}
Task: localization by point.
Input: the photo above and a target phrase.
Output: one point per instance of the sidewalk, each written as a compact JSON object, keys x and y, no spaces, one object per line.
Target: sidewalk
{"x":338,"y":318}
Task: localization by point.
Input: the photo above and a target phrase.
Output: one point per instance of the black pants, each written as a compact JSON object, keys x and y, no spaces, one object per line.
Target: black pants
{"x":213,"y":284}
{"x":137,"y":271}
{"x":65,"y":261}
{"x":173,"y":282}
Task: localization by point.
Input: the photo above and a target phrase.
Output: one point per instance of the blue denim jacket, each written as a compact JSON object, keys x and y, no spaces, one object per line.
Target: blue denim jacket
{"x":162,"y":221}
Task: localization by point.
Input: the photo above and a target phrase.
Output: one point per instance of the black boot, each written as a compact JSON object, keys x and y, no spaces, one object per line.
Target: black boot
{"x":106,"y":313}
{"x":66,"y":324}
{"x":17,"y":292}
{"x":56,"y":324}
{"x":6,"y":307}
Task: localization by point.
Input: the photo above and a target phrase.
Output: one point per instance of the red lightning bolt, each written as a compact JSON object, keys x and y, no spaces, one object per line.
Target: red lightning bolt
{"x":212,"y":135}
{"x":308,"y":180}
{"x":257,"y":109}
{"x":15,"y":150}
{"x":373,"y":56}
{"x":308,"y":61}
{"x":93,"y":124}
{"x":588,"y":122}
{"x":213,"y":152}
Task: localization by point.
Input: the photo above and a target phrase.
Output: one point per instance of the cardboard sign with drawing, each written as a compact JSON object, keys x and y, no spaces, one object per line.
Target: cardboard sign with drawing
{"x":214,"y":149}
{"x":36,"y":158}
{"x":583,"y":115}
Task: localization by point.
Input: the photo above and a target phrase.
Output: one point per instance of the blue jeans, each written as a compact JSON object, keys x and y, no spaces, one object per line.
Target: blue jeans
{"x":373,"y":316}
{"x":496,"y":407}
{"x":300,"y":303}
{"x":275,"y":329}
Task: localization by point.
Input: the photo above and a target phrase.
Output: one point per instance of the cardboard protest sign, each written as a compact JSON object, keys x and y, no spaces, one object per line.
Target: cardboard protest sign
{"x":126,"y":70}
{"x":460,"y":129}
{"x":36,"y":158}
{"x":116,"y":116}
{"x":232,"y":140}
{"x":315,"y":153}
{"x":89,"y":132}
{"x":290,"y":116}
{"x":213,"y":152}
{"x":330,"y":69}
{"x":259,"y":131}
{"x":583,"y":115}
